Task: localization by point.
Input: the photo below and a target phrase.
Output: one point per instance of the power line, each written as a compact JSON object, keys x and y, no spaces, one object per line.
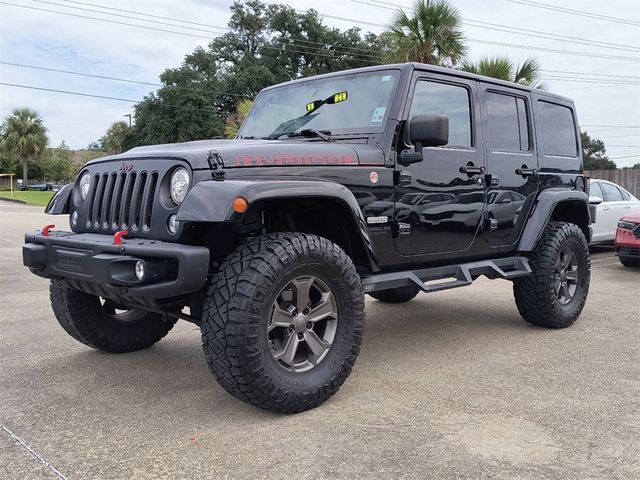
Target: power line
{"x":125,"y":16}
{"x":127,"y":80}
{"x":514,"y":30}
{"x":105,"y":97}
{"x":146,"y":14}
{"x":609,"y":126}
{"x":572,"y":11}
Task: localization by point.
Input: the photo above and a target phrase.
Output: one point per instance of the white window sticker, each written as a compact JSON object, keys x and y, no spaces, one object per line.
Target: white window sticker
{"x":378,"y":114}
{"x":386,"y":78}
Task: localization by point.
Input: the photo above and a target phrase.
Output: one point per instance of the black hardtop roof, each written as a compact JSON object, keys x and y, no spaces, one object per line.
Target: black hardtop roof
{"x":427,"y":68}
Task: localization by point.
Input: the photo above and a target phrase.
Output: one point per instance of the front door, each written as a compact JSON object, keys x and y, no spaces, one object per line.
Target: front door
{"x":512,"y":164}
{"x":438,"y":207}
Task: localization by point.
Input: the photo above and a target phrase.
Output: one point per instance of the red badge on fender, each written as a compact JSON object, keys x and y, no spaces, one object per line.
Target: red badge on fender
{"x":373,"y":176}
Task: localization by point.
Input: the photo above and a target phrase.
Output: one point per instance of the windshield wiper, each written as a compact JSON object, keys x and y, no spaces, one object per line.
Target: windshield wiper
{"x":307,"y":132}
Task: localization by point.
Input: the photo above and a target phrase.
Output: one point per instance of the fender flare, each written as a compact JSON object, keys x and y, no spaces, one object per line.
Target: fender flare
{"x":543,"y":208}
{"x":59,"y":203}
{"x":212,"y":201}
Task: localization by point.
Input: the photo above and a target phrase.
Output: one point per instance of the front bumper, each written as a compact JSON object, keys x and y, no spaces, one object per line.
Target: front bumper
{"x":171,"y":269}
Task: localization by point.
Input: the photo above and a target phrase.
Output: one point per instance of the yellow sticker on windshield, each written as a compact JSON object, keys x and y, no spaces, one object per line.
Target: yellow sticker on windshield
{"x":340,"y":97}
{"x":311,"y":106}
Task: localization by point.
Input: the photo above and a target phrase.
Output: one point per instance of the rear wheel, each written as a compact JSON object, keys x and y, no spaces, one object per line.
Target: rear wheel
{"x":103,"y":324}
{"x":282,"y":321}
{"x":554,"y":294}
{"x":397,"y":295}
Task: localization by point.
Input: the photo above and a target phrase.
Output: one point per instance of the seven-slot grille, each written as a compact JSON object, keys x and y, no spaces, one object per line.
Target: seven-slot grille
{"x":121,"y":201}
{"x":636,"y":232}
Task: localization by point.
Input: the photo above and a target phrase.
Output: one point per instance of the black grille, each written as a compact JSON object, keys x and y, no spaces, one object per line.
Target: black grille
{"x":636,"y":232}
{"x":121,"y":201}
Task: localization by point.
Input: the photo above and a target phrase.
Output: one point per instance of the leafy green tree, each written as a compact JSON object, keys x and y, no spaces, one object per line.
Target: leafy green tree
{"x":58,"y":163}
{"x":504,"y":69}
{"x":594,"y":154}
{"x":234,"y":121}
{"x":116,"y":137}
{"x":266,"y":44}
{"x":24,"y":136}
{"x":431,"y":33}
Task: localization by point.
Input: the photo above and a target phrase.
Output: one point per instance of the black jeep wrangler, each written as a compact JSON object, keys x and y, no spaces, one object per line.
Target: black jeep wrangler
{"x":388,"y":181}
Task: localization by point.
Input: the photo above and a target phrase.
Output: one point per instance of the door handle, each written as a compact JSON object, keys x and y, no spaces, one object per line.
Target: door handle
{"x":471,"y":170}
{"x":526,"y":171}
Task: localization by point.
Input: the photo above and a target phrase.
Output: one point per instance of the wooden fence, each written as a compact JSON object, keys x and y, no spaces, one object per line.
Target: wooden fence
{"x":627,"y":178}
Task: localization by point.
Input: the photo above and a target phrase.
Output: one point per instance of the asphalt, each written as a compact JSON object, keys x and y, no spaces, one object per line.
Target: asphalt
{"x":451,"y":385}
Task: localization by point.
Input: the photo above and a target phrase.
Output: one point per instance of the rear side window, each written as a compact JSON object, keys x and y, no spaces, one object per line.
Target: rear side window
{"x":434,"y":98}
{"x":507,"y":121}
{"x":625,"y":195}
{"x":611,"y":193}
{"x":558,"y":130}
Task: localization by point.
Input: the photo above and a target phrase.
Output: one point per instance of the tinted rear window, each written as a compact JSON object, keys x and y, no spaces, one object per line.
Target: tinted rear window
{"x":558,"y":130}
{"x":508,"y":126}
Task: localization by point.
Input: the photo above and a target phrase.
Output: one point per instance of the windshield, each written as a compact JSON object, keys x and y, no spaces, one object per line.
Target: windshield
{"x":364,"y":109}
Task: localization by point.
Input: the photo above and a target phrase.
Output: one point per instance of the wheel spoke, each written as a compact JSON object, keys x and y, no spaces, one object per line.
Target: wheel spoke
{"x":303,"y":286}
{"x":565,"y":292}
{"x":322,"y":310}
{"x":288,"y":353}
{"x":280,"y":318}
{"x":572,"y":276}
{"x":566,"y":261}
{"x":316,"y":344}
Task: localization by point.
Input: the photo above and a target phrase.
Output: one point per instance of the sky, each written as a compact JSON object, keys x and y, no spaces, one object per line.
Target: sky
{"x":603,"y":80}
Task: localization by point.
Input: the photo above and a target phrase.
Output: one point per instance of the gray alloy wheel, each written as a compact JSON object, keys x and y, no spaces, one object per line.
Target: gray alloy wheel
{"x":566,"y":276}
{"x":303,"y":323}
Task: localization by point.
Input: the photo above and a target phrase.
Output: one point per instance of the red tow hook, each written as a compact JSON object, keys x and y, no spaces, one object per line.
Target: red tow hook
{"x":45,"y":230}
{"x":117,"y":237}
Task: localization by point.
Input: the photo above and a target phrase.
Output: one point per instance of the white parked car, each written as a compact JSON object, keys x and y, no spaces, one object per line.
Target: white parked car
{"x":612,"y":202}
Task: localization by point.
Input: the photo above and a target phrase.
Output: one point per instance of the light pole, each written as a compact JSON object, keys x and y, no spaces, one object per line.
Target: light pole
{"x":128,"y":115}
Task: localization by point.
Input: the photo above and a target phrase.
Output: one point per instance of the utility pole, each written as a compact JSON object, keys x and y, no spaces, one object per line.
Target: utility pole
{"x":128,"y":115}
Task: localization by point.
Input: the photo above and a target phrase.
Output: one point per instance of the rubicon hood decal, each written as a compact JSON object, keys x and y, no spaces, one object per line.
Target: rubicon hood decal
{"x":259,"y":153}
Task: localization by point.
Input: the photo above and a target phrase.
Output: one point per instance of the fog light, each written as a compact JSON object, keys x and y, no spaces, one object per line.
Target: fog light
{"x":139,"y":269}
{"x":172,"y":225}
{"x":74,"y":218}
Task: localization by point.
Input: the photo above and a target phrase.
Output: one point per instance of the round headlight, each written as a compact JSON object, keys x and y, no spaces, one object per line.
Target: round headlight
{"x":179,"y":185}
{"x":84,"y":184}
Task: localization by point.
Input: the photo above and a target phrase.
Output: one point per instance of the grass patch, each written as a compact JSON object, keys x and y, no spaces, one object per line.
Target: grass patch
{"x":31,"y":197}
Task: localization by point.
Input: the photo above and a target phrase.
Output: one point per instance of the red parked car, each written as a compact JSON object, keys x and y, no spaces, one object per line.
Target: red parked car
{"x":628,"y":240}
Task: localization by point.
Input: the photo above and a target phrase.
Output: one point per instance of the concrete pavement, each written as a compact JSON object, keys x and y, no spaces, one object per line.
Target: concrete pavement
{"x":451,"y":385}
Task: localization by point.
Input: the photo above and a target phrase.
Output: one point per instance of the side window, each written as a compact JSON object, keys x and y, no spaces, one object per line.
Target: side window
{"x":507,"y":122}
{"x":612,"y":194}
{"x":558,"y":130}
{"x":595,"y":190}
{"x":433,"y":98}
{"x":625,"y":195}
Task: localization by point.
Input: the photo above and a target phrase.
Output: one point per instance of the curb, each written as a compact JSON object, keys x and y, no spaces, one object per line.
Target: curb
{"x":14,"y":200}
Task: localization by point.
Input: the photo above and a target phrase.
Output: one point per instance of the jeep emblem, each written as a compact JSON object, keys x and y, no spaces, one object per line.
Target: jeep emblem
{"x":126,"y":167}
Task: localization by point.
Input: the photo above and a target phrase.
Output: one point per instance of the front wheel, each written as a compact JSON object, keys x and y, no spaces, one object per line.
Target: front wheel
{"x":282,"y":321}
{"x":554,"y":294}
{"x":633,"y":262}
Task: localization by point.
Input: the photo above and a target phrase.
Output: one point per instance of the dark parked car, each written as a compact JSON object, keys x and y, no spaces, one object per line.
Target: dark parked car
{"x":262,"y":243}
{"x":43,"y":187}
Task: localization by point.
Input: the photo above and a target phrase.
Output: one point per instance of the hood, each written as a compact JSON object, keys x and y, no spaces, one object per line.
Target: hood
{"x":258,"y":153}
{"x":632,"y":217}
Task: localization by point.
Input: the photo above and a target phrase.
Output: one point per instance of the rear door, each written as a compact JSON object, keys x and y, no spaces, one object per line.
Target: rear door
{"x":451,"y":223}
{"x":512,"y":164}
{"x":613,"y":207}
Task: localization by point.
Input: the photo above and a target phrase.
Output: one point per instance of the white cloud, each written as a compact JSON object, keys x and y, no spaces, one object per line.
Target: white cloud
{"x":71,"y":43}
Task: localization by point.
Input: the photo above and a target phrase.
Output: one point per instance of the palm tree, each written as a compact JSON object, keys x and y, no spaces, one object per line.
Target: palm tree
{"x":504,"y":69}
{"x":234,"y":121}
{"x":24,"y":136}
{"x":432,"y":34}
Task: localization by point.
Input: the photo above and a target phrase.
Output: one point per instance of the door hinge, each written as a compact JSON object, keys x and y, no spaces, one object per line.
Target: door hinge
{"x":402,"y":178}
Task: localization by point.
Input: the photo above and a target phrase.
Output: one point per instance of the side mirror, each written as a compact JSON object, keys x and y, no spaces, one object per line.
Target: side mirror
{"x":425,"y":131}
{"x":595,"y":200}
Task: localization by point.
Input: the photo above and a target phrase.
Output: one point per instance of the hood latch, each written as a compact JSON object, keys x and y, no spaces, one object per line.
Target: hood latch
{"x":216,"y":164}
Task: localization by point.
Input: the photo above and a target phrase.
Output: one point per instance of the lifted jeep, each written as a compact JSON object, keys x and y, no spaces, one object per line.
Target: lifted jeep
{"x":390,"y":181}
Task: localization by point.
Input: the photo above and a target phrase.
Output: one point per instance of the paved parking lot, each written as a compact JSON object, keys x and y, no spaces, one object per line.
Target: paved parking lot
{"x":452,"y":384}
